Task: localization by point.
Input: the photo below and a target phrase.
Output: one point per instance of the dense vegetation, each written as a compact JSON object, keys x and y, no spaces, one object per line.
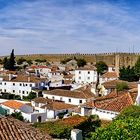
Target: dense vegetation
{"x":31,"y":96}
{"x":122,"y":86}
{"x":9,"y":64}
{"x":125,"y":127}
{"x":130,"y":74}
{"x":17,"y":115}
{"x":62,"y":128}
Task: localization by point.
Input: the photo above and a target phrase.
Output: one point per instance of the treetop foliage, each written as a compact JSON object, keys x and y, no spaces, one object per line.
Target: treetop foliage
{"x":125,"y":127}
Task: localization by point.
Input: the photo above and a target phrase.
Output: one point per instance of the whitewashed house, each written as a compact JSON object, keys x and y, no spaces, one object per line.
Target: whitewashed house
{"x":67,"y":96}
{"x":85,"y":75}
{"x":27,"y":111}
{"x":50,"y":107}
{"x":41,"y":71}
{"x":20,"y":85}
{"x":109,"y":106}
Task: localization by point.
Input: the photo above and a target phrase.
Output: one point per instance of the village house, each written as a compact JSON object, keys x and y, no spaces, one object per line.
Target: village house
{"x":41,"y":71}
{"x":27,"y":111}
{"x":20,"y":85}
{"x":50,"y":107}
{"x":109,"y":106}
{"x":85,"y":75}
{"x":70,"y":97}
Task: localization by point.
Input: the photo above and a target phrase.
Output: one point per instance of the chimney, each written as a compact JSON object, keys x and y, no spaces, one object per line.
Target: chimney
{"x":76,"y":134}
{"x":10,"y":77}
{"x":29,"y":79}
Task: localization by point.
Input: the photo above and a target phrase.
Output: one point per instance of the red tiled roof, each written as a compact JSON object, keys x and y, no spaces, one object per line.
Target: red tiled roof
{"x":13,"y":104}
{"x":68,"y":93}
{"x":38,"y":67}
{"x":110,"y":75}
{"x":116,"y":104}
{"x":54,"y":105}
{"x":24,"y":78}
{"x":12,"y":129}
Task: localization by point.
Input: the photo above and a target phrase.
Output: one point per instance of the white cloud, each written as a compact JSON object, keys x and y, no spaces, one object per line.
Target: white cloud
{"x":44,"y":27}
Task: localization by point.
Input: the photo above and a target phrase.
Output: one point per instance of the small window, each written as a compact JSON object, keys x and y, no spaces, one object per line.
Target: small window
{"x":80,"y":101}
{"x":5,"y":90}
{"x":26,"y":84}
{"x":23,"y":92}
{"x":79,"y":72}
{"x":88,"y":78}
{"x":20,"y":84}
{"x":13,"y":84}
{"x":69,"y":100}
{"x":27,"y":92}
{"x":13,"y":91}
{"x":0,"y":83}
{"x":79,"y":77}
{"x":30,"y":85}
{"x":88,"y":72}
{"x":4,"y":83}
{"x":60,"y":98}
{"x":19,"y":91}
{"x":53,"y":97}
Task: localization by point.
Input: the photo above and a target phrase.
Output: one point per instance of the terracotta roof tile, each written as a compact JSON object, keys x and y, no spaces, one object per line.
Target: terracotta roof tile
{"x":68,"y":93}
{"x":12,"y":129}
{"x":116,"y":103}
{"x":13,"y":104}
{"x":110,"y":75}
{"x":54,"y":105}
{"x":41,"y":100}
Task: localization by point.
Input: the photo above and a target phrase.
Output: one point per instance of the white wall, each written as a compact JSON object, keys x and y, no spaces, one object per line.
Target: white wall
{"x":85,"y":76}
{"x":104,"y":114}
{"x":138,"y":96}
{"x":17,"y":88}
{"x":74,"y":101}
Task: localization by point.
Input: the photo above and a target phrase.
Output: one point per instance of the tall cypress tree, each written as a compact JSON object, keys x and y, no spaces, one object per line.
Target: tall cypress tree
{"x":12,"y":61}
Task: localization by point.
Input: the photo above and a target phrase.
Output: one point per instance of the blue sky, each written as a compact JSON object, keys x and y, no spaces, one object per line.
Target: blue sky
{"x":69,"y":26}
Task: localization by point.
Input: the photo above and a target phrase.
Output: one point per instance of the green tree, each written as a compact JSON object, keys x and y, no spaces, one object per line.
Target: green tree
{"x":81,"y":62}
{"x":29,"y":62}
{"x":31,"y":96}
{"x":137,"y":67}
{"x":17,"y":115}
{"x":5,"y":63}
{"x":20,"y":61}
{"x":128,"y":74}
{"x":12,"y":61}
{"x":101,"y":68}
{"x":122,"y":86}
{"x":125,"y":127}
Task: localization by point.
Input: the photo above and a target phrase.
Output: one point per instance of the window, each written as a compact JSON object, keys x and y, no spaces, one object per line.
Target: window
{"x":26,"y":84}
{"x":30,"y":85}
{"x":69,"y":100}
{"x":53,"y":97}
{"x":13,"y":91}
{"x":20,"y":84}
{"x":88,"y":72}
{"x":27,"y":92}
{"x":60,"y":98}
{"x":0,"y":83}
{"x":19,"y":91}
{"x":23,"y":92}
{"x":79,"y":77}
{"x":80,"y":101}
{"x":5,"y":90}
{"x":79,"y":72}
{"x":88,"y":78}
{"x":4,"y":83}
{"x":13,"y":84}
